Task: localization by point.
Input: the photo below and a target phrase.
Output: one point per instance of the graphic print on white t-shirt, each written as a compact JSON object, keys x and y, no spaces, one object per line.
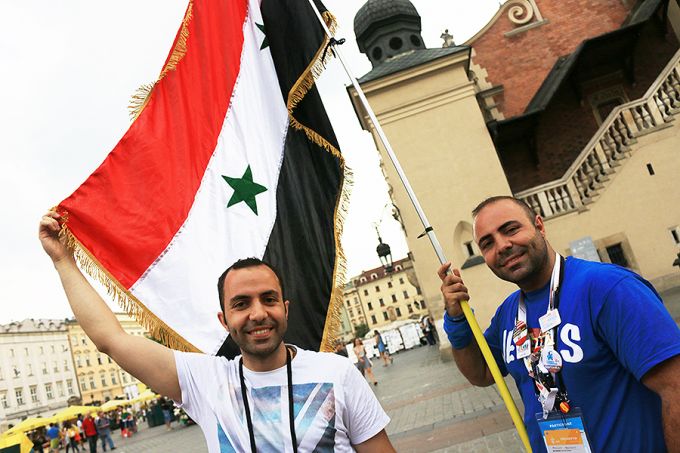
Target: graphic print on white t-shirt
{"x":314,"y":410}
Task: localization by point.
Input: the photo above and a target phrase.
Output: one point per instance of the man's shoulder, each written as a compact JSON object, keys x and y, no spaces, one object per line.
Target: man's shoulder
{"x":600,"y":278}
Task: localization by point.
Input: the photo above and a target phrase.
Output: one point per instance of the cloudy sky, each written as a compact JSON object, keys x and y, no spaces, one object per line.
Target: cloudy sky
{"x":68,"y":71}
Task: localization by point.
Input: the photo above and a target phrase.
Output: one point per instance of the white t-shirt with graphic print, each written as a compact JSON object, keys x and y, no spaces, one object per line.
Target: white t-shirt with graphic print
{"x":334,"y":406}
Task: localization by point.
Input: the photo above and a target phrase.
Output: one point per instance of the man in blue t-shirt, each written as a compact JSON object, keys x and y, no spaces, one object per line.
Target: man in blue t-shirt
{"x":618,"y":363}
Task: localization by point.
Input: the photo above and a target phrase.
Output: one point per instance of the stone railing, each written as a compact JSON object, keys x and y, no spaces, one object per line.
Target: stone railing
{"x":609,"y":147}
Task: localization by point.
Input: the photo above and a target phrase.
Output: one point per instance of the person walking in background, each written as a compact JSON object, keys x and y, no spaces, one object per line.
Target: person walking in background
{"x":364,"y":364}
{"x":103,"y":425}
{"x":429,"y":330}
{"x":70,"y":433}
{"x":166,"y":407}
{"x":54,"y":437}
{"x":382,"y":349}
{"x":90,"y":432}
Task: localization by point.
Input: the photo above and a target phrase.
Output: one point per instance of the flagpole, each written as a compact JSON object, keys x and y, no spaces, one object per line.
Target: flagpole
{"x":476,"y":330}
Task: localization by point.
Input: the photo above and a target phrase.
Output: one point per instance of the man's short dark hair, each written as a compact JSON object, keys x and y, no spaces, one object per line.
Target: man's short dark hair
{"x":531,"y":214}
{"x":244,"y":264}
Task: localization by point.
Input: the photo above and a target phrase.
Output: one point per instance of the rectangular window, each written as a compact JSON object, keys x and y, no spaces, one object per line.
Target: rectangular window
{"x":3,"y":400}
{"x":349,"y":304}
{"x":83,"y":340}
{"x":79,"y":362}
{"x":389,"y":284}
{"x":398,"y":312}
{"x":124,"y":376}
{"x":616,"y":255}
{"x":422,"y":305}
{"x":394,"y":297}
{"x":405,"y":294}
{"x":34,"y":393}
{"x":469,"y":249}
{"x":83,"y":384}
{"x":44,"y":367}
{"x":410,"y":308}
{"x":386,"y":317}
{"x":56,"y":366}
{"x":103,"y":379}
{"x":65,"y":365}
{"x":114,"y":381}
{"x":382,"y":302}
{"x":30,"y":369}
{"x":351,"y":313}
{"x":369,"y":305}
{"x":92,"y":383}
{"x":377,"y":289}
{"x":110,"y":361}
{"x":69,"y":386}
{"x":60,"y":388}
{"x":373,"y":320}
{"x":87,"y":360}
{"x":401,"y":280}
{"x":19,"y":394}
{"x":48,"y":391}
{"x":99,"y":359}
{"x":675,"y":234}
{"x":365,"y":292}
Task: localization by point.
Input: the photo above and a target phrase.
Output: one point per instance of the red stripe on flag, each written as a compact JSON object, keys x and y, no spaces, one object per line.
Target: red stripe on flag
{"x":130,"y":208}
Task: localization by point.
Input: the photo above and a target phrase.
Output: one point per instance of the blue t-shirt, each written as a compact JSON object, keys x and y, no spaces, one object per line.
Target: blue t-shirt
{"x":53,"y":432}
{"x":614,"y":329}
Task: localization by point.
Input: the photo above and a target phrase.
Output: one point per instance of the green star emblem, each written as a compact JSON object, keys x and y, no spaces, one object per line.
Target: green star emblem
{"x":245,"y":190}
{"x":265,"y":42}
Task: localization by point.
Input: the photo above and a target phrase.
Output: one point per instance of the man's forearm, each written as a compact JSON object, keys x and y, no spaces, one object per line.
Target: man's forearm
{"x":671,"y":425}
{"x":471,"y":364}
{"x":92,"y":313}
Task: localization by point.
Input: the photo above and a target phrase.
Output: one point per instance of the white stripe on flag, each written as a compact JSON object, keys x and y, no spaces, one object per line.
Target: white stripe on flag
{"x":180,"y":287}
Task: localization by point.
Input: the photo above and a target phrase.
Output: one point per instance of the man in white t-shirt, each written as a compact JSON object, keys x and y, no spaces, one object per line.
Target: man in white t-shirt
{"x":274,"y":397}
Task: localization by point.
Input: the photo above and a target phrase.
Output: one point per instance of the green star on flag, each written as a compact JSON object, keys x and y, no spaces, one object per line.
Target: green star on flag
{"x":245,"y":189}
{"x":265,"y":43}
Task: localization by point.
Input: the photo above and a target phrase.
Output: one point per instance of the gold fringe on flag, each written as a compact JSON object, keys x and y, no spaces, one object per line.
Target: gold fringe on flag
{"x":140,"y":99}
{"x":154,"y":325}
{"x":334,"y":313}
{"x":300,"y":88}
{"x":306,"y":81}
{"x":143,"y":93}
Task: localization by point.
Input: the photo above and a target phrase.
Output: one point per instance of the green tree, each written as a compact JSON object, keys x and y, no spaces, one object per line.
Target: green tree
{"x":361,"y":330}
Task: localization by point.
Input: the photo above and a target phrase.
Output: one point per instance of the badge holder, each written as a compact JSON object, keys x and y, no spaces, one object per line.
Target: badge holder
{"x":564,"y":433}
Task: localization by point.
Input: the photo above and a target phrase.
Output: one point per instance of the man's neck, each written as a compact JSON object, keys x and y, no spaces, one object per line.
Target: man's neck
{"x":273,"y":361}
{"x":541,"y":277}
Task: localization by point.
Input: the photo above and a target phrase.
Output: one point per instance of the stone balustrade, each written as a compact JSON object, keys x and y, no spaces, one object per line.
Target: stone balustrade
{"x":609,"y":147}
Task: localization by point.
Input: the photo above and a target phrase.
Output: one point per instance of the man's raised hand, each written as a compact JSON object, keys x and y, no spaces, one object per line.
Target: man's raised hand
{"x":48,"y":233}
{"x":453,"y":289}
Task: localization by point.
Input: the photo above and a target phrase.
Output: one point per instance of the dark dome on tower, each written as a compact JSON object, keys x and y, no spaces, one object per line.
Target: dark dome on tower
{"x":385,"y":28}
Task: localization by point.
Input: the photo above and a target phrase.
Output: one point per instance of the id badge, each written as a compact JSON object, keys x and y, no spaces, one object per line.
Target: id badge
{"x":564,"y":433}
{"x":549,"y":320}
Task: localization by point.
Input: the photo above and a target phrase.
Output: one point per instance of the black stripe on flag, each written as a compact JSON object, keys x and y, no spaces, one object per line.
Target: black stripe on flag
{"x":302,"y":243}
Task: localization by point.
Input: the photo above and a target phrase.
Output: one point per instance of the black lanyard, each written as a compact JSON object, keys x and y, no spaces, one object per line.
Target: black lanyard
{"x":291,"y":409}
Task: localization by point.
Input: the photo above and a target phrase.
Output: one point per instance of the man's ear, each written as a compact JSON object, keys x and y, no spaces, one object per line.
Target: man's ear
{"x":540,"y":226}
{"x":285,"y":303}
{"x":223,"y":320}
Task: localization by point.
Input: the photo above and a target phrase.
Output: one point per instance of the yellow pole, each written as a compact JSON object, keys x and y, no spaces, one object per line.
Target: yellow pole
{"x":497,"y":376}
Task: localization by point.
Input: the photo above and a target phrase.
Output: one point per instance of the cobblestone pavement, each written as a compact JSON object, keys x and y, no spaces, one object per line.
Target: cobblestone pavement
{"x":432,"y":407}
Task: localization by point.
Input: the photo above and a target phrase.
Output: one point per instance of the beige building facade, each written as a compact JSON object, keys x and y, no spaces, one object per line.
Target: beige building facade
{"x":377,"y":298}
{"x":618,"y":199}
{"x":37,"y":374}
{"x":99,"y":378}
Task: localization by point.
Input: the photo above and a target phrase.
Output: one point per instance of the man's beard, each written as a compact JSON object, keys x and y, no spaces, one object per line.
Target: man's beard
{"x":262,"y":349}
{"x":535,"y":257}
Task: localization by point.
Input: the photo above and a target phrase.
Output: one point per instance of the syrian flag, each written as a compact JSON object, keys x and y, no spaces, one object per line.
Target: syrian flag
{"x":230,"y":155}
